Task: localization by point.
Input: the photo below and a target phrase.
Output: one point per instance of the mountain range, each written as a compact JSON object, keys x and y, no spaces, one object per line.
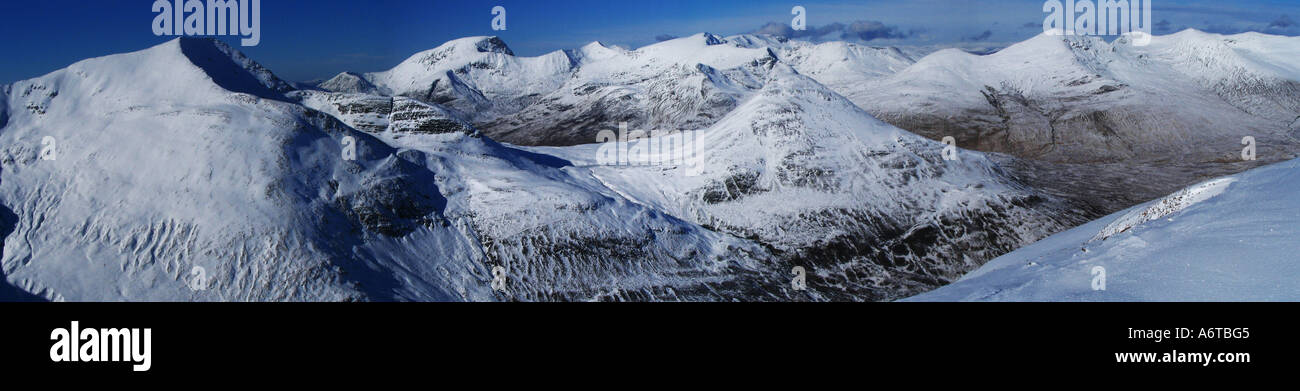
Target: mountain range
{"x":188,"y":171}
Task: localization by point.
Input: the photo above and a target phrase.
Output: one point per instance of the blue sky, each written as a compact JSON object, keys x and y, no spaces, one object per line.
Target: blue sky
{"x":304,"y":40}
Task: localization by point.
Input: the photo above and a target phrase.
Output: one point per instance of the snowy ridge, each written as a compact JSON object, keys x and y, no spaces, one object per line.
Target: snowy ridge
{"x":1174,"y":203}
{"x":231,"y":69}
{"x":1238,"y":245}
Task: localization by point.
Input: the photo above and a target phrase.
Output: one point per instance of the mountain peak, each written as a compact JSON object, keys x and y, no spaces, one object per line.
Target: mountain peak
{"x":710,"y":39}
{"x":493,"y":45}
{"x":231,"y":69}
{"x":349,"y":82}
{"x":481,"y":44}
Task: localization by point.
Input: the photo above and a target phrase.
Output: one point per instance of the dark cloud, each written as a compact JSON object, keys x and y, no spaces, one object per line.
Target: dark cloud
{"x":980,"y":37}
{"x":1282,"y":22}
{"x":1283,"y":25}
{"x":869,"y":30}
{"x":664,"y":37}
{"x":777,"y":29}
{"x":865,"y":30}
{"x":1163,"y":26}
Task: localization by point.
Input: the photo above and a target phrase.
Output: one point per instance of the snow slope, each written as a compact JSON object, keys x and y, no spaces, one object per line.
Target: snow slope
{"x":143,"y":189}
{"x":1228,"y":239}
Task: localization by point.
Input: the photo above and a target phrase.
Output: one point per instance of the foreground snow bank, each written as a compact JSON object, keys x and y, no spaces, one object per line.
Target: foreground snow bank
{"x":1230,"y":239}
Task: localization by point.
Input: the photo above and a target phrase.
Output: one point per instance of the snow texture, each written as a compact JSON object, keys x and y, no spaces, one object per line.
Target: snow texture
{"x":1229,"y":239}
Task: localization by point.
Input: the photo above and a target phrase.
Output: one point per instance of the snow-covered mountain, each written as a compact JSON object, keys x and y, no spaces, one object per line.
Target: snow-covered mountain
{"x":1227,"y":239}
{"x":567,"y":97}
{"x":1052,"y":98}
{"x":871,"y":210}
{"x":127,"y":172}
{"x":842,"y":66}
{"x":800,"y":170}
{"x":1186,"y":97}
{"x":189,"y":172}
{"x":185,"y":166}
{"x":478,"y":76}
{"x":682,"y":84}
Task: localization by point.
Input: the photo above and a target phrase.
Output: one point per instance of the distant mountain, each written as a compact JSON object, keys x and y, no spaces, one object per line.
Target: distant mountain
{"x":479,"y":77}
{"x":1188,"y":97}
{"x":1052,"y":98}
{"x":566,"y":97}
{"x":1106,"y":124}
{"x":1228,"y":239}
